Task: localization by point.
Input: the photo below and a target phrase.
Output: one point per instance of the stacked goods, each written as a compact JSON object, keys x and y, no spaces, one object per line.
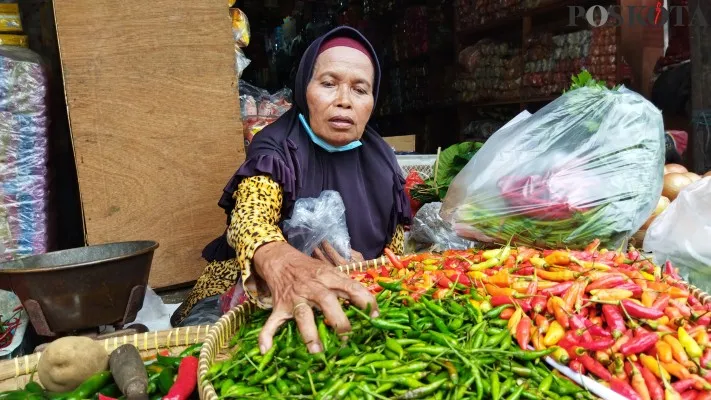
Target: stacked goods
{"x":471,"y":13}
{"x":612,"y":315}
{"x":11,"y":26}
{"x":412,"y":38}
{"x":425,"y":348}
{"x":24,"y":186}
{"x":493,"y":72}
{"x":602,"y":58}
{"x":588,"y":165}
{"x":259,"y":108}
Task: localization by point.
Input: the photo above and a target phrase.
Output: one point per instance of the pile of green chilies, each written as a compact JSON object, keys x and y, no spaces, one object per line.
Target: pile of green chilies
{"x":429,"y":349}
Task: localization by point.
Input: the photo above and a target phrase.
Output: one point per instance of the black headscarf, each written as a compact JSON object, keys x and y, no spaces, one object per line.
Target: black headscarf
{"x":368,"y":178}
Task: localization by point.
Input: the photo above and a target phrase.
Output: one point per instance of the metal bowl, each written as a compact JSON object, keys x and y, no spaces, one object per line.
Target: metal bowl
{"x":86,"y":287}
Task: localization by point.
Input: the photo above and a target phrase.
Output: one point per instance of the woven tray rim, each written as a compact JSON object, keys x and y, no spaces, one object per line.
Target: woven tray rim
{"x":221,"y":332}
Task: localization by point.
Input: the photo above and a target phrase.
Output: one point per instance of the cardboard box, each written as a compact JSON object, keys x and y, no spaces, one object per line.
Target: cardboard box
{"x":402,"y":143}
{"x":10,"y":18}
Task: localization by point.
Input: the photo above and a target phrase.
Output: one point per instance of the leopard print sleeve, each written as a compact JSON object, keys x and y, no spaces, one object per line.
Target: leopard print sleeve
{"x":253,"y":224}
{"x":397,"y":243}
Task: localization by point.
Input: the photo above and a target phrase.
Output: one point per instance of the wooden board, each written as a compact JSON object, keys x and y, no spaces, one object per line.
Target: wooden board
{"x":152,"y":99}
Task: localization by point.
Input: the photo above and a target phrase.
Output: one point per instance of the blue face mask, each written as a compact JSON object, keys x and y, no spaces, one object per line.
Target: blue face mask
{"x":322,"y":144}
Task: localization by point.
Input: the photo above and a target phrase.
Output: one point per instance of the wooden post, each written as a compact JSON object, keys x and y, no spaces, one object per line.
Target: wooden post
{"x":700,"y":137}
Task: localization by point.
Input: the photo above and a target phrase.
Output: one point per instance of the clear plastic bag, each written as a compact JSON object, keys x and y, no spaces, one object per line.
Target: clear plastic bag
{"x":315,"y":220}
{"x":589,"y":165}
{"x":682,"y":234}
{"x":24,"y":148}
{"x":259,"y":108}
{"x":430,"y":233}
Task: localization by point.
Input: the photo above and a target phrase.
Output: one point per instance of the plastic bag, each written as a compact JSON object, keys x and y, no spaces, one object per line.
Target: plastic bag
{"x":259,"y":108}
{"x":589,"y":165}
{"x":431,"y":233}
{"x":233,"y":297}
{"x":241,"y":33}
{"x":315,"y":220}
{"x":24,"y":152}
{"x":682,"y":234}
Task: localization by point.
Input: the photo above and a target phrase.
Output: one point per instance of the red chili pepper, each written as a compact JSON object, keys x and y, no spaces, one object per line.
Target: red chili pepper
{"x":538,"y":304}
{"x":595,"y":367}
{"x":706,"y":359}
{"x":670,"y":270}
{"x":558,"y":289}
{"x":384,"y":271}
{"x":525,"y":271}
{"x":639,"y":311}
{"x":394,"y":260}
{"x":662,"y":301}
{"x":577,"y":366}
{"x":623,"y":388}
{"x":683,"y":308}
{"x":635,"y":289}
{"x":690,"y":395}
{"x":186,"y":381}
{"x":444,"y":283}
{"x":683,"y":385}
{"x":656,"y":392}
{"x":500,"y":300}
{"x":597,"y":344}
{"x":693,"y":301}
{"x":639,"y":344}
{"x":614,"y":320}
{"x":523,"y":332}
{"x":103,"y":397}
{"x":606,"y":282}
{"x":596,"y":330}
{"x":577,"y":323}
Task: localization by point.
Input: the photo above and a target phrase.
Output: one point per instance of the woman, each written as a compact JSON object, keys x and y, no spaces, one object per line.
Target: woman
{"x":322,"y":143}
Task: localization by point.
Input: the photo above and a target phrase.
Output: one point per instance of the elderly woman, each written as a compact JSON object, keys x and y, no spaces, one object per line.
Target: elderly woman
{"x":323,"y":143}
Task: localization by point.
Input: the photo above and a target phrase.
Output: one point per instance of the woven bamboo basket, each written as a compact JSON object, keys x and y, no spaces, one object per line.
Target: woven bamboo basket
{"x":220,"y":334}
{"x":16,"y":373}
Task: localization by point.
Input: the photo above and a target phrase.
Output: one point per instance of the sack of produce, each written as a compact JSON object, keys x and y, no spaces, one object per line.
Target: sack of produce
{"x":589,"y":165}
{"x":682,"y":234}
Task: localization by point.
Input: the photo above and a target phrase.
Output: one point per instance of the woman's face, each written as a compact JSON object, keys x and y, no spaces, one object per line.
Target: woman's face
{"x":340,"y":95}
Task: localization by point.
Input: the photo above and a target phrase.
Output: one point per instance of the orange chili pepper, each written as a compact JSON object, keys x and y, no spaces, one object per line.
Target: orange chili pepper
{"x":506,"y":314}
{"x":525,"y":254}
{"x":558,"y":307}
{"x":558,"y":276}
{"x":678,"y":293}
{"x":596,"y":320}
{"x":542,"y":323}
{"x":673,"y":313}
{"x":651,"y":364}
{"x":664,"y":351}
{"x":501,"y":278}
{"x":648,"y":297}
{"x":573,"y":297}
{"x":592,"y":246}
{"x":659,"y":286}
{"x":677,"y":370}
{"x":701,"y":337}
{"x":558,"y":257}
{"x":497,"y":291}
{"x":638,"y":383}
{"x":677,"y":349}
{"x":611,"y":294}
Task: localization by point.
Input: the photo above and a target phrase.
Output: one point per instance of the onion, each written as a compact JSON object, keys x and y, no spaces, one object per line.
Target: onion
{"x":662,"y":205}
{"x":671,"y":168}
{"x":673,"y":183}
{"x":692,"y":176}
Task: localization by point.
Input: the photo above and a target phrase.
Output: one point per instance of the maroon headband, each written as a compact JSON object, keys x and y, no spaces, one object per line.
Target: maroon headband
{"x":344,"y":42}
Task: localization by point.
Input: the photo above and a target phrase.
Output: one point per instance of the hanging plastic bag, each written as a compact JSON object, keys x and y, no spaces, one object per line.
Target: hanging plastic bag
{"x":315,"y":220}
{"x":259,"y":108}
{"x":589,"y":165}
{"x":682,"y":234}
{"x":430,"y":233}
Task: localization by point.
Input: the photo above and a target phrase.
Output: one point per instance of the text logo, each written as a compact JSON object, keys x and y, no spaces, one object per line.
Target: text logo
{"x":597,"y":16}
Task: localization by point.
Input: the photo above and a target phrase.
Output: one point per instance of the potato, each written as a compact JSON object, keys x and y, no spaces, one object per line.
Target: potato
{"x":69,"y":361}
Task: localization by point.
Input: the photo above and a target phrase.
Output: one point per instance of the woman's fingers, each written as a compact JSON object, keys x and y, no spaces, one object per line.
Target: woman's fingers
{"x":356,"y":256}
{"x":266,"y":336}
{"x":304,"y":316}
{"x":328,"y":302}
{"x":333,"y":254}
{"x":355,"y":292}
{"x":319,"y":255}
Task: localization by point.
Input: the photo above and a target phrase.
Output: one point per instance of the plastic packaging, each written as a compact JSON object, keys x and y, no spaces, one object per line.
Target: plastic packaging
{"x":431,"y":233}
{"x":589,"y":165}
{"x":241,"y":33}
{"x":24,"y":188}
{"x":259,"y":108}
{"x":315,"y":220}
{"x":682,"y":233}
{"x":233,"y":297}
{"x":10,"y":20}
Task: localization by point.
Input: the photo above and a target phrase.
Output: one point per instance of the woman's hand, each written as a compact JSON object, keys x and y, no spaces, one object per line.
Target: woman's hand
{"x":328,"y":254}
{"x":297,"y":283}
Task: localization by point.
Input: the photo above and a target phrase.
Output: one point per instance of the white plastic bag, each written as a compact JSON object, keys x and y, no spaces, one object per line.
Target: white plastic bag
{"x":587,"y":166}
{"x":316,"y":220}
{"x":682,"y":234}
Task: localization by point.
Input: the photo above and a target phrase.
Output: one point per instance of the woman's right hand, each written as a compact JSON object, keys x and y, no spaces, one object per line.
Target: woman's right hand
{"x":297,"y":283}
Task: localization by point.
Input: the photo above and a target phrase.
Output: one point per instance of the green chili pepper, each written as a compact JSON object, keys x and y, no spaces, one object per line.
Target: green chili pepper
{"x":34,"y":387}
{"x":369,"y":358}
{"x":431,"y":350}
{"x":90,"y":387}
{"x":280,"y":372}
{"x":111,"y":390}
{"x":191,"y":351}
{"x":225,"y":387}
{"x":408,"y":381}
{"x":409,"y":368}
{"x":423,"y":391}
{"x":499,"y":323}
{"x":546,"y":384}
{"x":391,"y":286}
{"x":172,"y":362}
{"x":495,"y":386}
{"x":239,"y":390}
{"x":435,"y":308}
{"x":394,"y":346}
{"x":166,"y":379}
{"x":455,"y":324}
{"x":479,"y":383}
{"x":532,"y":355}
{"x":441,"y":326}
{"x":493,"y":341}
{"x":507,"y":385}
{"x":516,"y":394}
{"x":495,"y":312}
{"x":268,"y":357}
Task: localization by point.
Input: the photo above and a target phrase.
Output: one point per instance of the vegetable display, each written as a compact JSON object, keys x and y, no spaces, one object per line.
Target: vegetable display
{"x":616,"y":316}
{"x":588,"y":165}
{"x":441,"y":349}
